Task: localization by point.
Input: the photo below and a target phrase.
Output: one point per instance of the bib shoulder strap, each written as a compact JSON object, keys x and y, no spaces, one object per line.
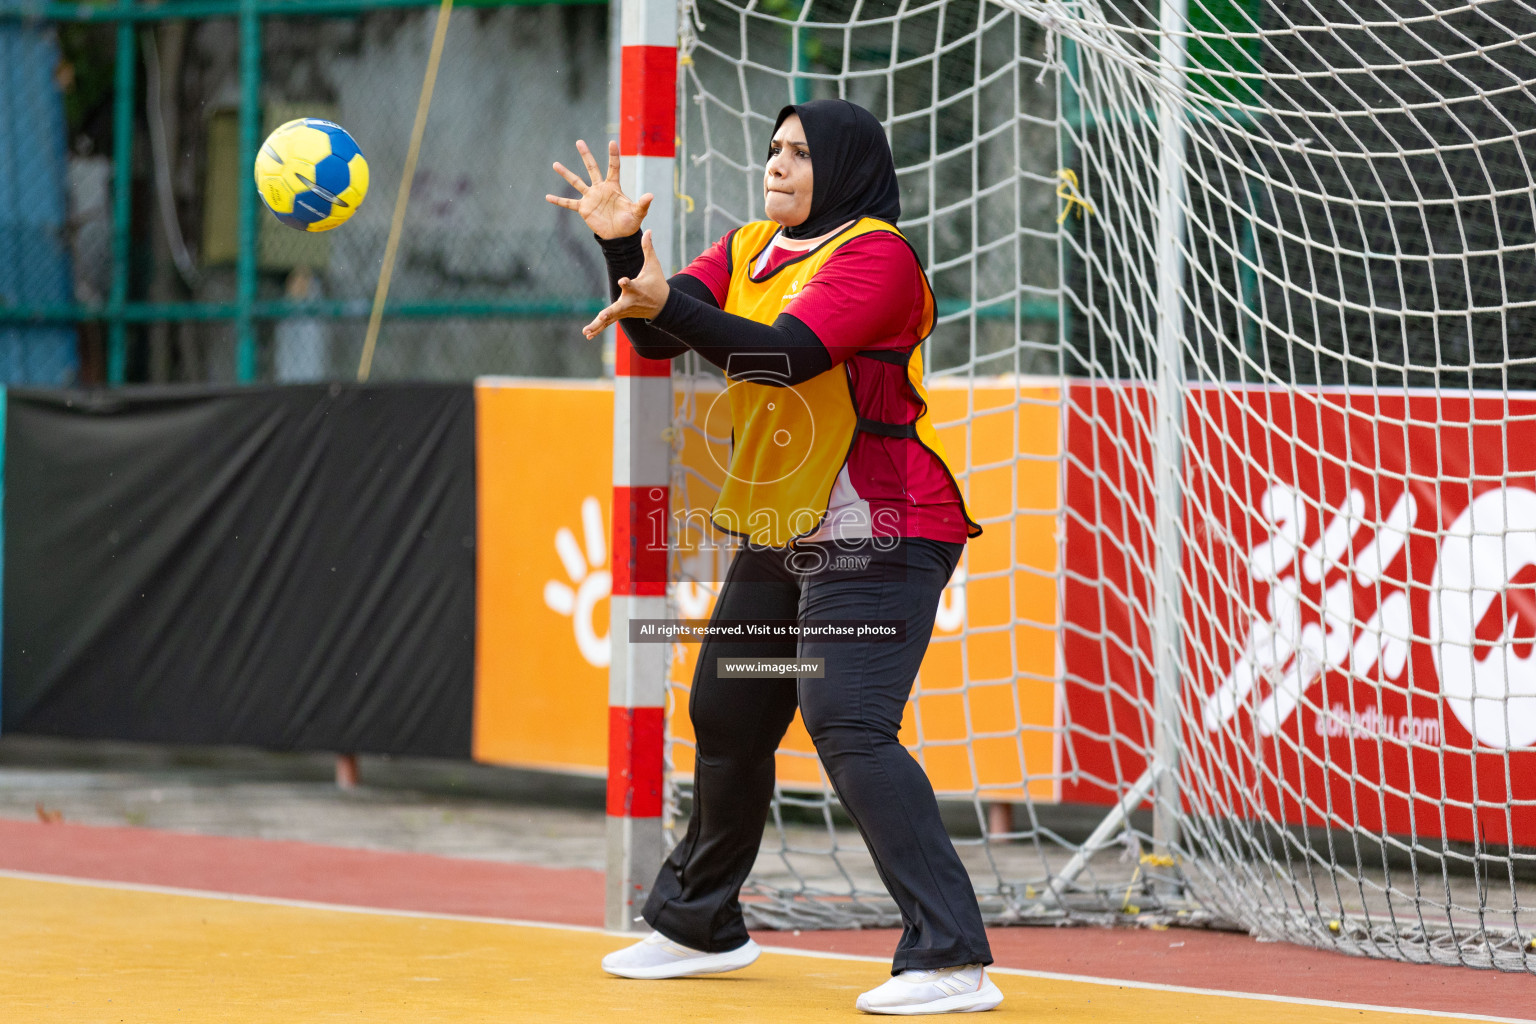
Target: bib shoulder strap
{"x":870,"y":426}
{"x":894,"y":356}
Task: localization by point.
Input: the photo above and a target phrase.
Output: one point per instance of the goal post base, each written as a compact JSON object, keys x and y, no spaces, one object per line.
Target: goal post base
{"x":636,"y":847}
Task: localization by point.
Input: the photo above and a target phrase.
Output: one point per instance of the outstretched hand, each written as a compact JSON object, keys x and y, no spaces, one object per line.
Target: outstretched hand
{"x":640,"y":297}
{"x":603,"y":205}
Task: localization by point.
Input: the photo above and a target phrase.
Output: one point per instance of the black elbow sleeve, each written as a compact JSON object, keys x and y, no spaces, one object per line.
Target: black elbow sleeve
{"x":789,"y":353}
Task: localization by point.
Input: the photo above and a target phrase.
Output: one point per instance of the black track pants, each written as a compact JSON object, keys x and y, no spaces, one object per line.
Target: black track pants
{"x":853,"y":715}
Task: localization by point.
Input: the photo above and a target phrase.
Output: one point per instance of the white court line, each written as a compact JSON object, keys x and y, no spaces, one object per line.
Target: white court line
{"x":1152,"y":986}
{"x":278,"y":901}
{"x":1080,"y":979}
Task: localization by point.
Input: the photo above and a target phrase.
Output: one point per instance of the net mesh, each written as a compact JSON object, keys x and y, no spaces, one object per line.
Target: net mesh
{"x":1233,"y":352}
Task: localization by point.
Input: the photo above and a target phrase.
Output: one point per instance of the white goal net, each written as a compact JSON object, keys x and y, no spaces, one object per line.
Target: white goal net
{"x":1237,"y":352}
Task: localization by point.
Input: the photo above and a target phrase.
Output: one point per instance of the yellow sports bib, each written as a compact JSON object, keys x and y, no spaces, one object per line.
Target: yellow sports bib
{"x":790,"y":443}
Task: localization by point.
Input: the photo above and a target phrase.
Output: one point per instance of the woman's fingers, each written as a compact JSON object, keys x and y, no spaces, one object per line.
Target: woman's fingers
{"x":629,"y":298}
{"x":600,"y":323}
{"x":569,"y":204}
{"x":576,"y":182}
{"x":644,"y":205}
{"x":610,"y":314}
{"x":588,"y":162}
{"x":652,"y":267}
{"x":613,"y":161}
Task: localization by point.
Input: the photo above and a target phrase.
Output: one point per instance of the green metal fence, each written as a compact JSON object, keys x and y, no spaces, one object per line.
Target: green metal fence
{"x":180,"y":275}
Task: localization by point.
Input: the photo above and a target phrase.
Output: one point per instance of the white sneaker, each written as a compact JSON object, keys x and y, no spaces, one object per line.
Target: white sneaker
{"x":657,"y":956}
{"x":948,"y":990}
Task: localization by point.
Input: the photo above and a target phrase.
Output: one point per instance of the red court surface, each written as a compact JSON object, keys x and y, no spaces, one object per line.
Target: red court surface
{"x":421,"y":882}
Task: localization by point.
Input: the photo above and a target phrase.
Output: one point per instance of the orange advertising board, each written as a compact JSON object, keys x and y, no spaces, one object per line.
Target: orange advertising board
{"x":541,"y":661}
{"x":544,"y":449}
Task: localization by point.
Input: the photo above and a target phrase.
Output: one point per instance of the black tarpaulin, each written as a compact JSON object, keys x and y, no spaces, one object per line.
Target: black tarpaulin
{"x":289,"y":567}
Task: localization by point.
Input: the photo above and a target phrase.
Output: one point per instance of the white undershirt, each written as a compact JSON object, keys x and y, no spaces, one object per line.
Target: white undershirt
{"x":847,"y":514}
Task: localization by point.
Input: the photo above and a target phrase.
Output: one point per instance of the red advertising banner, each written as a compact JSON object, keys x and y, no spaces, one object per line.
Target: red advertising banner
{"x":1359,"y":606}
{"x":1107,"y":590}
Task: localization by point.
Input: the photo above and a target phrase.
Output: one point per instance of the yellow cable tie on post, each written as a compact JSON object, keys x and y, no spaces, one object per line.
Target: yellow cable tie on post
{"x":1068,"y":191}
{"x":677,"y":180}
{"x":1126,"y":906}
{"x":1156,"y":860}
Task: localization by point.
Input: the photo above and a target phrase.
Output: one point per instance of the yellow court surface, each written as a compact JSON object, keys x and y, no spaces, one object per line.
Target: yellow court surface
{"x":80,"y":953}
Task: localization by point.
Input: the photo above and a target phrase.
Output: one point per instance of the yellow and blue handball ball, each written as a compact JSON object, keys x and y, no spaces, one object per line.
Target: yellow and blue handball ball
{"x":311,"y":174}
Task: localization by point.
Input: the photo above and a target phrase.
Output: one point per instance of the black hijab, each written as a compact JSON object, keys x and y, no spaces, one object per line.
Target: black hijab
{"x":851,"y":166}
